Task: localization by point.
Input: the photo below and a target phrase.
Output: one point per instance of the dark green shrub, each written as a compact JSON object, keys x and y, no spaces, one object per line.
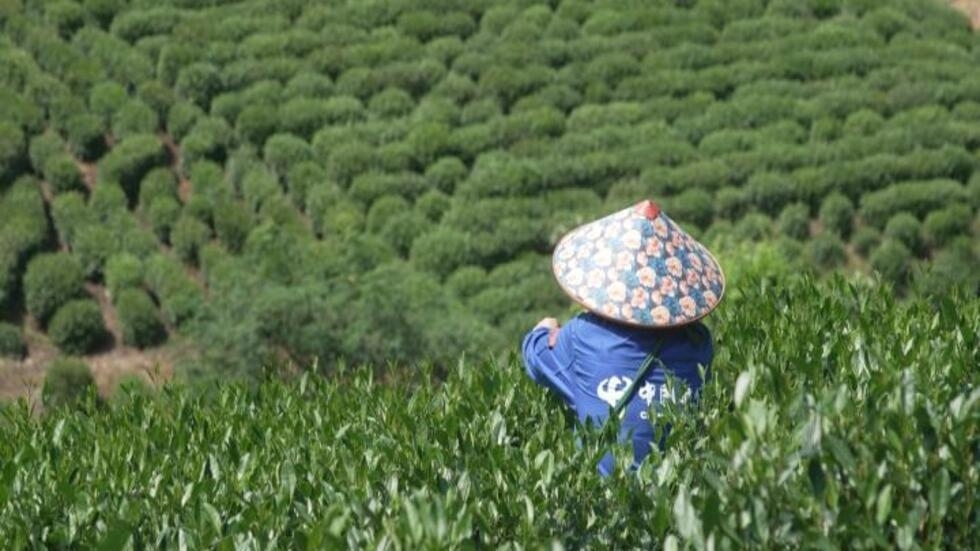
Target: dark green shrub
{"x":865,"y":239}
{"x":467,"y":281}
{"x":480,"y":110}
{"x":67,"y":382}
{"x":837,"y":214}
{"x":415,"y":77}
{"x":348,"y":160}
{"x":771,"y":192}
{"x":163,"y":215}
{"x":105,"y":99}
{"x":753,"y":227}
{"x":130,"y":160}
{"x":255,"y":123}
{"x":444,"y":49}
{"x":433,"y":204}
{"x":123,"y":271}
{"x":107,"y":199}
{"x":92,"y":245}
{"x":66,"y":17}
{"x":693,"y":206}
{"x":942,"y":226}
{"x":301,"y":178}
{"x":258,"y":186}
{"x":86,"y":136}
{"x":208,"y":140}
{"x":188,"y":236}
{"x":141,"y":326}
{"x":182,"y":117}
{"x":61,"y":172}
{"x":917,"y":197}
{"x":129,"y":236}
{"x":232,"y":222}
{"x":13,"y":151}
{"x":384,"y":208}
{"x":731,"y":203}
{"x":284,"y":151}
{"x":343,"y":110}
{"x":906,"y":229}
{"x":11,"y":341}
{"x":158,"y":96}
{"x":428,"y":141}
{"x":133,"y":118}
{"x":227,"y":106}
{"x":69,"y":214}
{"x":826,"y":251}
{"x":51,"y":280}
{"x":427,"y":25}
{"x":198,"y":83}
{"x":446,"y":173}
{"x":359,"y":82}
{"x":973,"y":190}
{"x":367,"y":187}
{"x":402,"y":228}
{"x":864,"y":122}
{"x":308,"y":84}
{"x":391,"y":103}
{"x":441,"y":251}
{"x":180,"y":299}
{"x":794,"y":221}
{"x":159,"y":182}
{"x":43,"y":147}
{"x":893,"y":260}
{"x":395,"y":157}
{"x":208,"y":180}
{"x":304,"y":116}
{"x":952,"y":269}
{"x":77,"y":327}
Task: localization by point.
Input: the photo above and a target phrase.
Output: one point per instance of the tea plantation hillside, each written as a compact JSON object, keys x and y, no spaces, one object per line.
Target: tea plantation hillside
{"x":382,"y":181}
{"x":856,"y":428}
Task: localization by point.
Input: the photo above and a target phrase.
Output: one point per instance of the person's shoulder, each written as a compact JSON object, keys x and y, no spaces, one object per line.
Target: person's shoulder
{"x":697,"y":334}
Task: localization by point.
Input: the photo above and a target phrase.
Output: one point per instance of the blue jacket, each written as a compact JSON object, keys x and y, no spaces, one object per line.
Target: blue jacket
{"x":594,"y":361}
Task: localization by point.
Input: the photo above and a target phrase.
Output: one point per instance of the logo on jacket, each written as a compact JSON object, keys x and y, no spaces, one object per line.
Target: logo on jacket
{"x":612,"y":389}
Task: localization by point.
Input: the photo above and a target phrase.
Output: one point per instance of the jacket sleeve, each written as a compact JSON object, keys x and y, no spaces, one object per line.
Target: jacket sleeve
{"x":551,"y":367}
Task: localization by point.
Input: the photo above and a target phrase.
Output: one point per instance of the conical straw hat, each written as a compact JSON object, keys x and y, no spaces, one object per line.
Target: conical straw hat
{"x":638,"y":267}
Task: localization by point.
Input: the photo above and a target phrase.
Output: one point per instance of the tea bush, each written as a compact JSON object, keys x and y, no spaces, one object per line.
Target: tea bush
{"x":505,"y":454}
{"x":61,"y":172}
{"x":138,"y":318}
{"x":51,"y":280}
{"x":67,"y":382}
{"x":11,"y":341}
{"x":893,"y":260}
{"x":129,"y":161}
{"x":906,"y":229}
{"x":77,"y":327}
{"x":86,"y":136}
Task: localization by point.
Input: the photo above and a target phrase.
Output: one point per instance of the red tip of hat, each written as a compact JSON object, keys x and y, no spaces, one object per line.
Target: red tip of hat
{"x":648,"y":209}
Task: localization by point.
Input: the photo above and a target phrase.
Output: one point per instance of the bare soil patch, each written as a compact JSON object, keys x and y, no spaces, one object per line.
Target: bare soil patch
{"x":972,"y":10}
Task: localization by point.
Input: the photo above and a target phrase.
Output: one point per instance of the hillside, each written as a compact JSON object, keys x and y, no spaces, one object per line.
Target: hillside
{"x":258,"y":183}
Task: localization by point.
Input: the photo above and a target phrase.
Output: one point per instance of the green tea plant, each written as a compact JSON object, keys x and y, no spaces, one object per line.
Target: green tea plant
{"x":855,"y":427}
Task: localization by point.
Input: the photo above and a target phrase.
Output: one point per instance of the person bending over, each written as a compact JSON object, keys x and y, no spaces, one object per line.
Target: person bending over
{"x":645,"y":285}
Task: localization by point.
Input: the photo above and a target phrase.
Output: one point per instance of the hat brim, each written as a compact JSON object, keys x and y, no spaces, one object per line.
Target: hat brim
{"x":639,"y":268}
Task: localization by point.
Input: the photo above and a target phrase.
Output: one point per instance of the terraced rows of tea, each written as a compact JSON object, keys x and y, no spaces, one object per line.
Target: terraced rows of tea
{"x":382,"y":181}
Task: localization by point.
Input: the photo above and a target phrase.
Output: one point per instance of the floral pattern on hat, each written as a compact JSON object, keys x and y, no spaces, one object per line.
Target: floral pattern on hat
{"x":639,"y":267}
